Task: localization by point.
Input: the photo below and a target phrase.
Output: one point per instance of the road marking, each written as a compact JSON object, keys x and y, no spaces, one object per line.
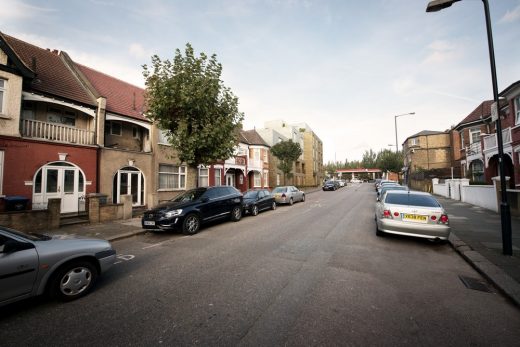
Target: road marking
{"x":124,"y":257}
{"x":157,"y":244}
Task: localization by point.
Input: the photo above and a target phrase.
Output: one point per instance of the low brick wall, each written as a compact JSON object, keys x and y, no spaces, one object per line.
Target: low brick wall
{"x":99,"y":213}
{"x":34,"y":220}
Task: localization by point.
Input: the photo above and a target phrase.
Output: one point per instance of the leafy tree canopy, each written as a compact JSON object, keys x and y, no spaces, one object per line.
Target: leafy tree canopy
{"x":287,"y":152}
{"x":188,"y":100}
{"x":385,"y":160}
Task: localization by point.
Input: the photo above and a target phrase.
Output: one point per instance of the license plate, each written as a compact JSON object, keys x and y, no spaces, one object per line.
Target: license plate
{"x":415,"y":218}
{"x":148,"y":222}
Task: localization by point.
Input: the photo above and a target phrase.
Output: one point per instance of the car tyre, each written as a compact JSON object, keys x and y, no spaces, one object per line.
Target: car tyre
{"x":291,"y":201}
{"x":303,"y":198}
{"x":254,"y":210}
{"x":73,"y":280}
{"x":191,"y":224}
{"x":236,"y":214}
{"x":273,"y":206}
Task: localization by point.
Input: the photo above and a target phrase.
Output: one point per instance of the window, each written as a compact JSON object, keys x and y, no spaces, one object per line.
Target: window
{"x":218,"y":177}
{"x":474,"y":135}
{"x":256,"y":153}
{"x":414,"y":142}
{"x":264,"y":152}
{"x":3,"y":92}
{"x":163,"y":137}
{"x":28,"y":110}
{"x":172,"y":177}
{"x":277,"y":179}
{"x":266,"y":179}
{"x":203,"y":177}
{"x":258,"y":179}
{"x":116,"y":128}
{"x":136,"y":134}
{"x":57,"y":115}
{"x":517,"y":110}
{"x":462,"y":139}
{"x":477,"y":171}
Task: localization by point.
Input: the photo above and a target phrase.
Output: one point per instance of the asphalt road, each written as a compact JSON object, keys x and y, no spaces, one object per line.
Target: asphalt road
{"x":310,"y":274}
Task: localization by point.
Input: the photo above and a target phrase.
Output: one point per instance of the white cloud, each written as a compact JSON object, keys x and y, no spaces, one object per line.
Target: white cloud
{"x":441,"y":51}
{"x":511,"y":16}
{"x":18,"y":10}
{"x":136,"y":50}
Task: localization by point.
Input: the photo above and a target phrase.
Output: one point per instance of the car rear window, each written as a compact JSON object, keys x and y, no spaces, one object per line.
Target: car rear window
{"x":280,"y":190}
{"x":411,"y":200}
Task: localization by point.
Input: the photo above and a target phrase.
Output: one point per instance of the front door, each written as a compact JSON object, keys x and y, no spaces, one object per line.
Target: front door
{"x":230,"y":179}
{"x":130,"y":181}
{"x":58,"y":180}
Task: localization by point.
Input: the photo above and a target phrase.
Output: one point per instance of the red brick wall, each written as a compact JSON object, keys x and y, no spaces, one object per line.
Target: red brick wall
{"x":23,"y":158}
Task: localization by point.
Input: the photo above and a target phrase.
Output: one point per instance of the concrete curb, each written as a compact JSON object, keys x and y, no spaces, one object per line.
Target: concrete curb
{"x":126,"y":235}
{"x":502,"y":281}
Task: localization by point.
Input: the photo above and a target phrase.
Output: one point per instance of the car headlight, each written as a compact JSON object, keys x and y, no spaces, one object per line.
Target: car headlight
{"x":173,"y":213}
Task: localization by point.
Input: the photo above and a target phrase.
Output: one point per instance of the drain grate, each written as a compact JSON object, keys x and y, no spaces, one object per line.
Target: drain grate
{"x":475,"y":284}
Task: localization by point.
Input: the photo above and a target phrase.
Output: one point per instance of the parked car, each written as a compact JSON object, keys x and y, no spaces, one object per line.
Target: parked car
{"x":386,"y":184}
{"x":411,"y":213}
{"x":288,"y":195}
{"x":386,"y":188}
{"x":356,"y":180}
{"x":341,"y":183}
{"x":195,"y":207}
{"x":65,"y":268}
{"x":329,"y":185}
{"x":258,"y":200}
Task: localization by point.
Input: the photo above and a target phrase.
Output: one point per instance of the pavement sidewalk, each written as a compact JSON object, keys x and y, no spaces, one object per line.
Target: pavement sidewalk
{"x":477,"y":236}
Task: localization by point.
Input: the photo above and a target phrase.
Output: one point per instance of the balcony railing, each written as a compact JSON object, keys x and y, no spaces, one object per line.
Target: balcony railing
{"x":236,"y":161}
{"x":491,"y":142}
{"x":474,"y":149}
{"x":56,"y":132}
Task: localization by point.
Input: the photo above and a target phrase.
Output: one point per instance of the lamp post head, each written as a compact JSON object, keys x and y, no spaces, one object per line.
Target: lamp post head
{"x":437,"y":5}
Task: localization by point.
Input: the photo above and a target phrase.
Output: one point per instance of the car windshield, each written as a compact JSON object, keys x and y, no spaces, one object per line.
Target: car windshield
{"x":280,"y":190}
{"x":411,"y":200}
{"x":251,"y":194}
{"x":30,"y":236}
{"x":190,"y":195}
{"x":385,"y":189}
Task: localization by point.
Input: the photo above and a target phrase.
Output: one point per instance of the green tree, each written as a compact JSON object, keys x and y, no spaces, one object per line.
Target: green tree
{"x":287,"y":153}
{"x":388,"y":160}
{"x":369,"y":159}
{"x":188,"y":100}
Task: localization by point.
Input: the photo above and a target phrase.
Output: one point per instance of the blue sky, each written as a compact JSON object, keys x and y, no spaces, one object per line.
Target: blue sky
{"x":344,"y":67}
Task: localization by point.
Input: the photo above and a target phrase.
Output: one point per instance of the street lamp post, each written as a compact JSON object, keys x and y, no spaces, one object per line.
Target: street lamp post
{"x":395,"y":122}
{"x":505,"y":213}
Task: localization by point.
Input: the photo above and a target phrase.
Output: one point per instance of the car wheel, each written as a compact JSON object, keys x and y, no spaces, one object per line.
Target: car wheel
{"x":291,"y":201}
{"x":303,"y":198}
{"x":73,"y":280}
{"x":254,"y":210}
{"x":273,"y":206}
{"x":236,"y":213}
{"x":191,"y":224}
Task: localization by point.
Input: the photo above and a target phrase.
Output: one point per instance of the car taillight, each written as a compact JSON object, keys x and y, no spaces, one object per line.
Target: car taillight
{"x":444,"y":219}
{"x":387,"y":214}
{"x":433,"y":218}
{"x":396,"y":214}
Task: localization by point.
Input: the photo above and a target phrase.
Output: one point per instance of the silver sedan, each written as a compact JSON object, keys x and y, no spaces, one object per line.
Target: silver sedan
{"x":287,"y":195}
{"x":411,"y":213}
{"x":64,"y":267}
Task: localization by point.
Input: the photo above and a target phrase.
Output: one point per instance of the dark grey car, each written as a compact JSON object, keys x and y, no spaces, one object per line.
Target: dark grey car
{"x":62,"y":266}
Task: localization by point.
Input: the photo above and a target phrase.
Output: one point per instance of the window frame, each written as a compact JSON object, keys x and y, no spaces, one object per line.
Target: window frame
{"x":517,"y":110}
{"x":201,"y":176}
{"x":112,"y":122}
{"x":218,"y":178}
{"x":257,"y":179}
{"x":3,"y":95}
{"x":473,"y":131}
{"x":180,"y":173}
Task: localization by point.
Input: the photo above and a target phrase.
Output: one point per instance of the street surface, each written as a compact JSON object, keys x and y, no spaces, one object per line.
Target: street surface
{"x":310,"y":274}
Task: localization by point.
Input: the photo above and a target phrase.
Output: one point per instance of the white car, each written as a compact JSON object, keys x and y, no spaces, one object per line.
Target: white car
{"x":356,"y":180}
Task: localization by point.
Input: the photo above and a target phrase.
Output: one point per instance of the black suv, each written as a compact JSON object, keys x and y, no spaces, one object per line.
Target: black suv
{"x":195,"y":207}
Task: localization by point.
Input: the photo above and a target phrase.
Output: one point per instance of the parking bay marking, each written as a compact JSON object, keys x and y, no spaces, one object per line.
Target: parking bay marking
{"x":124,"y":257}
